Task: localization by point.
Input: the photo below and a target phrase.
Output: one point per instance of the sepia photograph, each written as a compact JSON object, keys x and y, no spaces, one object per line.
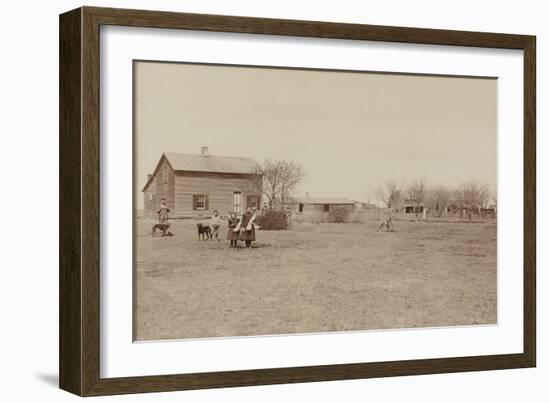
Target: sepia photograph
{"x":276,"y":201}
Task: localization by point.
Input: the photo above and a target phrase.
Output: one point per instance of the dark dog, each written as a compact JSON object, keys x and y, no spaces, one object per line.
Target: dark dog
{"x":163,"y":229}
{"x":205,"y":231}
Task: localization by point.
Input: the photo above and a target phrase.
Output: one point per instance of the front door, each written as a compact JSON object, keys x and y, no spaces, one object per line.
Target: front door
{"x":237,"y":202}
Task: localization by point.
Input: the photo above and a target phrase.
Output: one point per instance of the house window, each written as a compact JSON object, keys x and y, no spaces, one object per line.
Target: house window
{"x":200,"y":202}
{"x":253,"y":201}
{"x":326,"y":207}
{"x":150,"y":196}
{"x":301,"y":207}
{"x":237,"y":202}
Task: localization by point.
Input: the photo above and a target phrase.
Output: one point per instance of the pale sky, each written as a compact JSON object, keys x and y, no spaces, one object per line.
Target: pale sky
{"x":350,"y":131}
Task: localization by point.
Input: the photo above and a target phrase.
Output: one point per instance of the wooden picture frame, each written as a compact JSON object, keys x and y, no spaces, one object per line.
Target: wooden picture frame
{"x":79,"y":201}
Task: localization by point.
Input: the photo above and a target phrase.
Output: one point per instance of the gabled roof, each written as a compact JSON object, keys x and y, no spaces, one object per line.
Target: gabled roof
{"x":322,"y":200}
{"x":206,"y":163}
{"x":210,"y":163}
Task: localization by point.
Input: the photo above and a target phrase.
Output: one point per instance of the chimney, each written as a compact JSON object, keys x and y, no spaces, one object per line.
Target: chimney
{"x":204,"y":151}
{"x":307,"y":195}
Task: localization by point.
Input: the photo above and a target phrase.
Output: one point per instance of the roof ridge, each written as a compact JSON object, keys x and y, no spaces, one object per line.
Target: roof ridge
{"x":209,"y":155}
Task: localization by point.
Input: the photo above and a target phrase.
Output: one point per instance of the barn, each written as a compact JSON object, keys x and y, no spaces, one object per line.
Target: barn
{"x":195,"y":185}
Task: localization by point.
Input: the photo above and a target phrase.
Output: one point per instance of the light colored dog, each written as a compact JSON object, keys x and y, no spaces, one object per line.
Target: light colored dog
{"x":387,"y":221}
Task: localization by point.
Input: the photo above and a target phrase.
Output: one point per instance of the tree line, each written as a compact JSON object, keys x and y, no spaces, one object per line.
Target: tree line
{"x":468,"y":197}
{"x":276,"y":180}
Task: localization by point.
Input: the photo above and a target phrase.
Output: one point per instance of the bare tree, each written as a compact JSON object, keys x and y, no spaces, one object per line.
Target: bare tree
{"x":390,"y":194}
{"x":266,"y":181}
{"x":290,"y":175}
{"x":416,"y":192}
{"x":472,"y":196}
{"x":439,"y":198}
{"x":276,"y":179}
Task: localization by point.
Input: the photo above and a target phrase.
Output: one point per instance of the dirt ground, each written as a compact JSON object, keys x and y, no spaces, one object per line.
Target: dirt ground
{"x":314,"y":278}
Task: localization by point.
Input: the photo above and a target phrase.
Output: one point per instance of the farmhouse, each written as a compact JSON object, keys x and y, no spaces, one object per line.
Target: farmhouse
{"x":323,"y":204}
{"x":197,"y":184}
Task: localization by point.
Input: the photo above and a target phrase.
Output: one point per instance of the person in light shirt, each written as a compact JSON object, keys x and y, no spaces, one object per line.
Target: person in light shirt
{"x":162,"y":212}
{"x":215,"y":222}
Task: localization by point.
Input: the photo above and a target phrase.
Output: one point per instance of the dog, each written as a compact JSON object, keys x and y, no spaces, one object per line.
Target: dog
{"x":205,"y":231}
{"x":162,"y":228}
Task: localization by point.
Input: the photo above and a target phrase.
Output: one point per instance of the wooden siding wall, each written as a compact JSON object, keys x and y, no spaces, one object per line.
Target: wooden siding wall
{"x":160,"y":190}
{"x":148,"y":201}
{"x":319,"y":207}
{"x":218,"y":187}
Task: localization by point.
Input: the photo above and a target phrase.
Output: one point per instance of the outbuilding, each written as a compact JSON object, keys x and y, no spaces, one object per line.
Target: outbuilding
{"x":323,"y":204}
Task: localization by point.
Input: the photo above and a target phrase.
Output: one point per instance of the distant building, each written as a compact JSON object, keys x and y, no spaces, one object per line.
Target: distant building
{"x":359,"y":205}
{"x":195,"y":185}
{"x":323,"y":204}
{"x":411,"y":208}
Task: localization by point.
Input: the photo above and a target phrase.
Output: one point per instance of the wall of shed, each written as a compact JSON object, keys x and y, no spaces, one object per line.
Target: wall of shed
{"x":318,"y":207}
{"x":315,"y":213}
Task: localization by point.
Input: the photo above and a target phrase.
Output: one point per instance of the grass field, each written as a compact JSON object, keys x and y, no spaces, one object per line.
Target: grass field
{"x":315,"y":278}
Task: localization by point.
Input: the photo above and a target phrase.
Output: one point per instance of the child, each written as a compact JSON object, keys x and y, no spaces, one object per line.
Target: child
{"x":162,"y":212}
{"x":232,"y":231}
{"x":248,"y":233}
{"x":215,"y":221}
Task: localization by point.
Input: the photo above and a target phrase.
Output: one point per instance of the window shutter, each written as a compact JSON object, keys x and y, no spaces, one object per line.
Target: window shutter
{"x":206,"y":202}
{"x":194,"y":202}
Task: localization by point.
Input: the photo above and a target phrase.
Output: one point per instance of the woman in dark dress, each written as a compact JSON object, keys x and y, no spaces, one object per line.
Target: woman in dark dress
{"x":248,"y":233}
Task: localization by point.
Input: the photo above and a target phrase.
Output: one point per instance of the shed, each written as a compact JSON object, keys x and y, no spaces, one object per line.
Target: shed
{"x":324,"y":204}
